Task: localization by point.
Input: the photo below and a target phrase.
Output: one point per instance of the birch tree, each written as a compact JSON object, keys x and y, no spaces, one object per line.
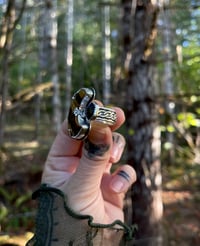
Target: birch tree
{"x":52,"y":17}
{"x":143,"y":138}
{"x":69,"y":52}
{"x":50,"y":32}
{"x":42,"y":63}
{"x":106,"y":71}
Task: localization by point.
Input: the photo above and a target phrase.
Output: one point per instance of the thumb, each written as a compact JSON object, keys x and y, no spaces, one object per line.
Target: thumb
{"x":95,"y":157}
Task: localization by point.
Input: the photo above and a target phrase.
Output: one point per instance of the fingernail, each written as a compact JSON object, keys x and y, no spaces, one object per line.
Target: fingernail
{"x":120,"y":182}
{"x":117,"y":185}
{"x":118,"y":146}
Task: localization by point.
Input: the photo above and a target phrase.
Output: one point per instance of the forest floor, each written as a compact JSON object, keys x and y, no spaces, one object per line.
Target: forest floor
{"x":21,"y":163}
{"x":181,"y":199}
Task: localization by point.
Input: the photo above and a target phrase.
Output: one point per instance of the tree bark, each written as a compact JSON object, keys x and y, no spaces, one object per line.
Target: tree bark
{"x":6,"y":45}
{"x":167,"y":82}
{"x":106,"y":71}
{"x":143,"y":136}
{"x":9,"y":22}
{"x":51,"y":32}
{"x":69,"y":53}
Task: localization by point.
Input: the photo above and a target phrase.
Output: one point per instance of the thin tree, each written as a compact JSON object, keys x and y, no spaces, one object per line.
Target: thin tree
{"x":167,"y":81}
{"x":9,"y":22}
{"x":50,"y":31}
{"x":143,"y":138}
{"x":42,"y":62}
{"x":69,"y":52}
{"x":106,"y":71}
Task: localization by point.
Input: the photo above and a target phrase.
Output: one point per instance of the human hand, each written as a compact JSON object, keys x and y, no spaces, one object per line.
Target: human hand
{"x":82,"y":171}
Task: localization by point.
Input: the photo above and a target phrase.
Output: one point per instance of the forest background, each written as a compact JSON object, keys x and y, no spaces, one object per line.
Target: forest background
{"x":150,"y":68}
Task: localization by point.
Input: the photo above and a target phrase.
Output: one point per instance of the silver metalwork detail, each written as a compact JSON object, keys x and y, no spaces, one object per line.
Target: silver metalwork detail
{"x":83,"y":110}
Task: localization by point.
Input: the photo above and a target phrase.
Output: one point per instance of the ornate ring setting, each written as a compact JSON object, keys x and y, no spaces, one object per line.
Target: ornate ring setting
{"x":83,"y":110}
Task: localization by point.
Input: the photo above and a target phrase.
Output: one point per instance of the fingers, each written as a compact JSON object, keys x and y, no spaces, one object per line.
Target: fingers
{"x":62,"y":159}
{"x":120,"y":118}
{"x":117,"y":147}
{"x":98,"y":151}
{"x":95,"y":157}
{"x":122,"y":179}
{"x":64,"y":145}
{"x":114,"y":186}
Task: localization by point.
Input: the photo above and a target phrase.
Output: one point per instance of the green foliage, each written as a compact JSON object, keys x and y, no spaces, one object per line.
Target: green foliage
{"x":188,"y":119}
{"x":13,"y":209}
{"x":130,"y":132}
{"x":188,"y":37}
{"x":3,"y":212}
{"x":182,"y":174}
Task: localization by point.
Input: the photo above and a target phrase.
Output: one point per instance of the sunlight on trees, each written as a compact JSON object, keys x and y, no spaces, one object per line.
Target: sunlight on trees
{"x":148,"y":66}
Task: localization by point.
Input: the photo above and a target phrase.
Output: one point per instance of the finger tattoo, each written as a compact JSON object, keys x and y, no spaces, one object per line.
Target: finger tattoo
{"x":94,"y":150}
{"x":124,"y":175}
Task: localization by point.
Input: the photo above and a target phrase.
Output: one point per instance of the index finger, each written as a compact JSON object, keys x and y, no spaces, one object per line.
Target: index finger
{"x":64,"y":145}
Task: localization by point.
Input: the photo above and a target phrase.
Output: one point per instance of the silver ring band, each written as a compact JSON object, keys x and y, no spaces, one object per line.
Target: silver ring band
{"x":101,"y":114}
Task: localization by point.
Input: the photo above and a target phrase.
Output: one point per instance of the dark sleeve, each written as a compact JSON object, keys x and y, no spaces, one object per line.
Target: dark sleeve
{"x":57,"y":224}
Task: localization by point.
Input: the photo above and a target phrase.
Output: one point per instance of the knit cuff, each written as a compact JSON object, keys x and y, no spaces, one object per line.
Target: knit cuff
{"x":57,"y":224}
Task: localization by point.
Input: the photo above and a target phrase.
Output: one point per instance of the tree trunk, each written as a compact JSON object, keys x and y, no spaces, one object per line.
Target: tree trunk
{"x":167,"y":82}
{"x":51,"y":15}
{"x":143,"y":137}
{"x":42,"y":62}
{"x":9,"y":22}
{"x":106,"y":73}
{"x":6,"y":45}
{"x":69,"y":53}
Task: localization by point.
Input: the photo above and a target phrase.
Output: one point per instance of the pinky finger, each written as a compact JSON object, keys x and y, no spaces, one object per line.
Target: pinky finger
{"x":122,"y":179}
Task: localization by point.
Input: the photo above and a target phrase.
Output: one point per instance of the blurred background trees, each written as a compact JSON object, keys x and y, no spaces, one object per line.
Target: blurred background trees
{"x":140,"y":55}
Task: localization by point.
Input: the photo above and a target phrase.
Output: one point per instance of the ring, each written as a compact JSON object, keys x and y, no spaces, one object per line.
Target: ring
{"x":83,"y":110}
